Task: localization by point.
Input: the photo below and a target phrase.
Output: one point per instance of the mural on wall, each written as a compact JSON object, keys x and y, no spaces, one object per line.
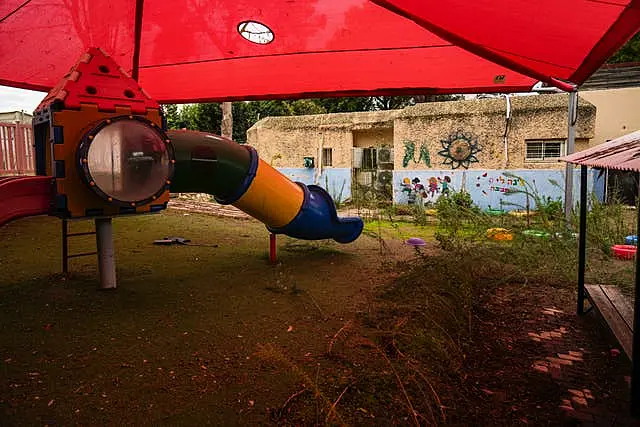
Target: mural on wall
{"x":489,"y":189}
{"x":460,"y":149}
{"x":410,"y":154}
{"x":500,"y":183}
{"x":419,"y":194}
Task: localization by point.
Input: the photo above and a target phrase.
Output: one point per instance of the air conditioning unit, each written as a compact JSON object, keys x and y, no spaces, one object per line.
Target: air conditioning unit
{"x":357,"y":154}
{"x":385,"y":158}
{"x":384,"y":178}
{"x":364,"y":178}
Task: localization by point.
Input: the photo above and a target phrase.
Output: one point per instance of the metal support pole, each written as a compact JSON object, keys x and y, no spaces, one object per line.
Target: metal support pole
{"x":635,"y":349}
{"x":106,"y":257}
{"x":65,"y":247}
{"x":272,"y":249}
{"x":571,"y":140}
{"x":582,"y":242}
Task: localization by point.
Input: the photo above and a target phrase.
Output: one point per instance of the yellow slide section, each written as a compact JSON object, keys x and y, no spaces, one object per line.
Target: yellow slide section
{"x":272,"y":198}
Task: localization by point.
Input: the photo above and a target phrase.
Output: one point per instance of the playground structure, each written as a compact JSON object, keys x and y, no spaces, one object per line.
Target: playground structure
{"x":101,"y":152}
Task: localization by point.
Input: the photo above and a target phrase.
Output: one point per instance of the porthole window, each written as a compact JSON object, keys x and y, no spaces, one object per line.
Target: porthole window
{"x":255,"y":32}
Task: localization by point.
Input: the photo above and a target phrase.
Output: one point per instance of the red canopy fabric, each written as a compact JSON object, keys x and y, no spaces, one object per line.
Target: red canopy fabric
{"x":191,"y":50}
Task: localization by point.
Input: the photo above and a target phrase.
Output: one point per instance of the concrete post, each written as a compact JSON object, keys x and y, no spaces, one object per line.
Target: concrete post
{"x":106,"y":256}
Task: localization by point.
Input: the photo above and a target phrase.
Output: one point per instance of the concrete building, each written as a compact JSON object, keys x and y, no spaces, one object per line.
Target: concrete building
{"x":490,"y":147}
{"x":15,"y":117}
{"x":615,"y":91}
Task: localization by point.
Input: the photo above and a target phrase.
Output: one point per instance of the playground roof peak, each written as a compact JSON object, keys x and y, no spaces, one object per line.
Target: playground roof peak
{"x":220,"y":50}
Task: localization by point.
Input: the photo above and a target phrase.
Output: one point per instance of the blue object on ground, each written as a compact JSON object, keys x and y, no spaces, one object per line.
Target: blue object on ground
{"x":631,"y":240}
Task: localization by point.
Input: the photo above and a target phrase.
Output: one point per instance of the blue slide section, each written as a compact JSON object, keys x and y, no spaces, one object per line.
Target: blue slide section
{"x":318,"y":219}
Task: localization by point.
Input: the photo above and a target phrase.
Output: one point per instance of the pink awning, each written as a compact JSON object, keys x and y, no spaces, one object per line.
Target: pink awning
{"x":621,"y":153}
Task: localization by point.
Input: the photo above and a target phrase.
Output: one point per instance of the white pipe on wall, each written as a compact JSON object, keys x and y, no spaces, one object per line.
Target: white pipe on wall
{"x":505,"y":137}
{"x":571,"y":138}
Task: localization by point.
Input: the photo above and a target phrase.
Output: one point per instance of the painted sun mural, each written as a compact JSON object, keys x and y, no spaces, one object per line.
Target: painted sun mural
{"x":459,"y":150}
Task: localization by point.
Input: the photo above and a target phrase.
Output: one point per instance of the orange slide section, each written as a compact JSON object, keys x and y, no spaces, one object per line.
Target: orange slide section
{"x":22,"y":196}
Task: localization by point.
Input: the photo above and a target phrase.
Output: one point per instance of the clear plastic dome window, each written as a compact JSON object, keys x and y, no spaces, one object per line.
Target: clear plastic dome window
{"x":127,"y":160}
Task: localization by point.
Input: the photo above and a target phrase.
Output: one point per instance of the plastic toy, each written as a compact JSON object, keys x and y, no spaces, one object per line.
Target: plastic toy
{"x":536,"y":233}
{"x":501,"y":234}
{"x":521,"y":214}
{"x":494,"y":212}
{"x":415,"y":241}
{"x":624,"y":251}
{"x":631,"y":240}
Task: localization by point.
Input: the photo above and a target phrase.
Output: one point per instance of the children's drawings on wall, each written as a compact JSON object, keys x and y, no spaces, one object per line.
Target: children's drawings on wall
{"x":419,"y":194}
{"x":410,"y":154}
{"x":500,"y":183}
{"x":460,"y":149}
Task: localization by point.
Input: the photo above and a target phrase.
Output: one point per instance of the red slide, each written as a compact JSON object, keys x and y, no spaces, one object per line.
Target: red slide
{"x":22,"y":196}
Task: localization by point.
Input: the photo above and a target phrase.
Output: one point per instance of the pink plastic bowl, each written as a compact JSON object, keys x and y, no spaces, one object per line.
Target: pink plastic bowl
{"x":624,"y":251}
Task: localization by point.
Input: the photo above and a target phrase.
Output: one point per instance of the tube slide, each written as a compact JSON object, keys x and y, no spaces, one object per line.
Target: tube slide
{"x":234,"y":174}
{"x":22,"y":196}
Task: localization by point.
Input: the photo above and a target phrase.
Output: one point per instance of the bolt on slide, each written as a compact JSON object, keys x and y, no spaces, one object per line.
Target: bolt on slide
{"x":234,"y":174}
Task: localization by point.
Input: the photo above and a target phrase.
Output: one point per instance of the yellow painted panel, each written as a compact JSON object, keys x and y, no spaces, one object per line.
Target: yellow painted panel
{"x":272,"y":197}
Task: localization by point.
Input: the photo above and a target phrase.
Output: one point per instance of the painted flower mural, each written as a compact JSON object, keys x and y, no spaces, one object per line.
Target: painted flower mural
{"x":459,"y":150}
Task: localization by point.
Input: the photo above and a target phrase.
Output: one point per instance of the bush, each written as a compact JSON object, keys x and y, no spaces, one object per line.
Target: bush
{"x":550,"y":208}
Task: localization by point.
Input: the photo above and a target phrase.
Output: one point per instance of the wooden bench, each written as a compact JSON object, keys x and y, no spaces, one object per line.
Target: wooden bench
{"x":617,"y":311}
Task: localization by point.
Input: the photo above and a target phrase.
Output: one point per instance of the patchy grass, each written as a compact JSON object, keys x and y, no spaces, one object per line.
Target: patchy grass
{"x":367,"y":333}
{"x":177,"y":340}
{"x":398,"y":230}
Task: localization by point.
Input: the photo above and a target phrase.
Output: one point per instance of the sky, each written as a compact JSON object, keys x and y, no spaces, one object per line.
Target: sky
{"x":12,"y":99}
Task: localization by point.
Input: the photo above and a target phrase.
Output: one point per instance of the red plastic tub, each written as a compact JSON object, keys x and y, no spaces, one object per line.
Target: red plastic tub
{"x":624,"y":251}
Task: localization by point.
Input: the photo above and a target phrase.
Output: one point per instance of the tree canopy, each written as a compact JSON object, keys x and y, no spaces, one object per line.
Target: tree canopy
{"x":208,"y":117}
{"x":630,"y":52}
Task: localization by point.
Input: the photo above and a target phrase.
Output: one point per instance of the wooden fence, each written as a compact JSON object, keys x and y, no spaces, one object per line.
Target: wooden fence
{"x":17,"y":155}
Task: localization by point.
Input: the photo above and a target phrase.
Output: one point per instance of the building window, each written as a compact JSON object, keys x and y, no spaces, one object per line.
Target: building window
{"x":327,"y":157}
{"x":544,"y":151}
{"x":369,"y":159}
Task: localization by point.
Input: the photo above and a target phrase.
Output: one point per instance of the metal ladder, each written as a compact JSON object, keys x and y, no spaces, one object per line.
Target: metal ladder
{"x":65,"y":246}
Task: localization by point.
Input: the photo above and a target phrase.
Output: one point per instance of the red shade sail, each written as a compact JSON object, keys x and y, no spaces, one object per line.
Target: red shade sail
{"x":192,"y":50}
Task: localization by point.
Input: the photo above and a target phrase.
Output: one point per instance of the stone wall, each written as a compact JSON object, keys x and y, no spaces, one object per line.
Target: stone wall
{"x":532,"y":117}
{"x":285,"y":141}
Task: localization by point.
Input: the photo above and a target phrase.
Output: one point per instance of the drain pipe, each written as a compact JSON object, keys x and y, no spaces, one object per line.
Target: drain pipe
{"x":506,"y":131}
{"x":572,"y":115}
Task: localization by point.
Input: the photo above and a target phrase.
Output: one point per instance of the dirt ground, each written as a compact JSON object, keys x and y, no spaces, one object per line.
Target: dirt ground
{"x":210,"y":333}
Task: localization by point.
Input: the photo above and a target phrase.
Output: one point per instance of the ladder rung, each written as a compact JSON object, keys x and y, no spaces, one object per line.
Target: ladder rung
{"x":82,"y":254}
{"x":86,"y":233}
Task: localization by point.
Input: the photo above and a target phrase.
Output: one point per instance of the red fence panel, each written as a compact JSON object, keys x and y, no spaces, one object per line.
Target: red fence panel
{"x":17,"y":155}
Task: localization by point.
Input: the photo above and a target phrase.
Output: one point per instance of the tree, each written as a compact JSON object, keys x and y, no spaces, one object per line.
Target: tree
{"x":392,"y":102}
{"x":306,"y":106}
{"x":436,"y":98}
{"x":345,"y":105}
{"x":245,"y":114}
{"x":172,"y":115}
{"x":202,"y":117}
{"x":226,"y":128}
{"x":208,"y":117}
{"x":630,"y":52}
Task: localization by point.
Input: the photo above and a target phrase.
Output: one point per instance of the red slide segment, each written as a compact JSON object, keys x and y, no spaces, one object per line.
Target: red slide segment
{"x":22,"y":196}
